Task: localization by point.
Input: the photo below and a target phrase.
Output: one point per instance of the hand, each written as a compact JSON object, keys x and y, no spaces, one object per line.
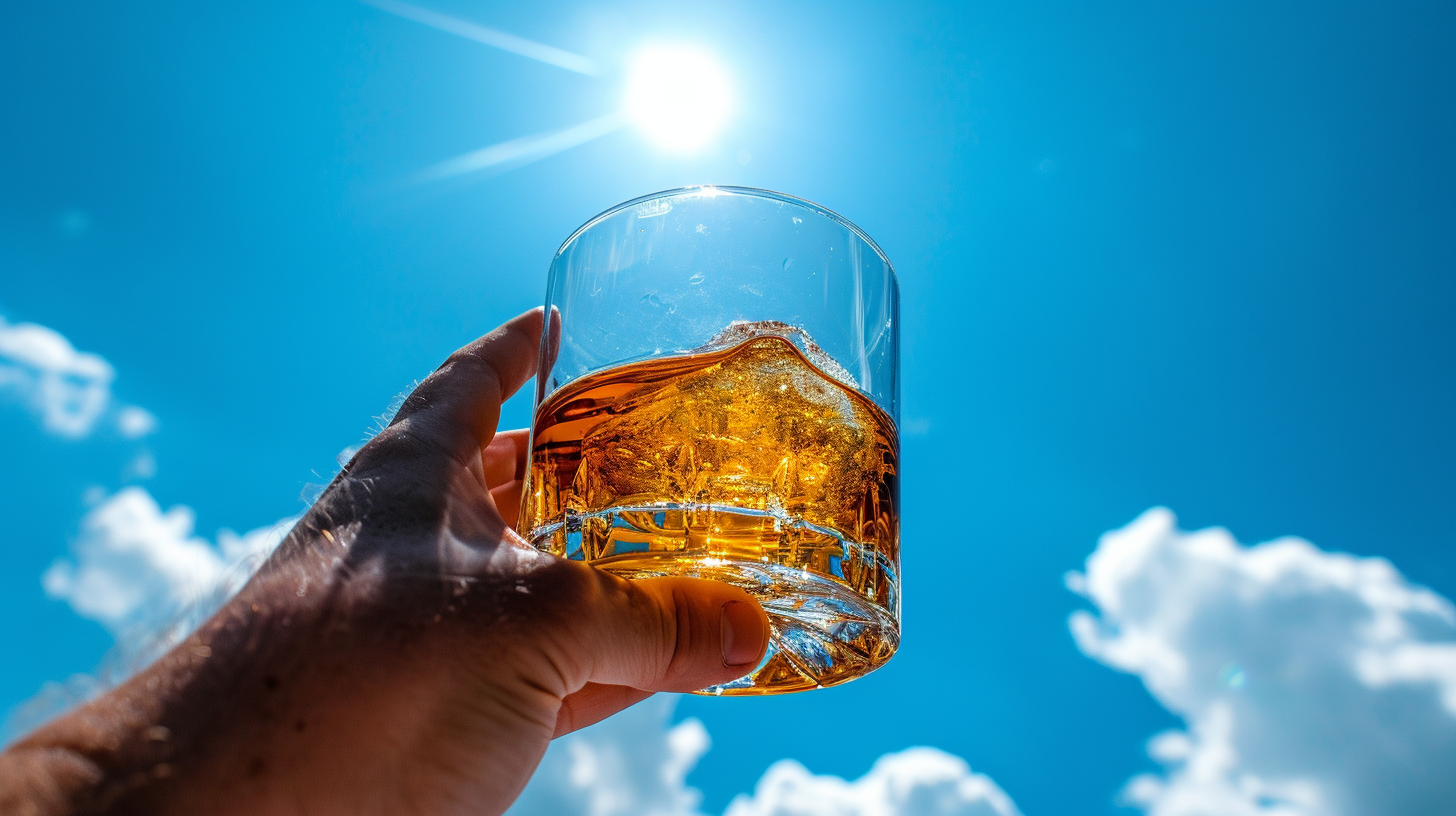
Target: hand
{"x":404,"y":651}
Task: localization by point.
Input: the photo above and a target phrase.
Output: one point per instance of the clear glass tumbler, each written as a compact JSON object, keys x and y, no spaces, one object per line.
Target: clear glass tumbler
{"x":719,"y":397}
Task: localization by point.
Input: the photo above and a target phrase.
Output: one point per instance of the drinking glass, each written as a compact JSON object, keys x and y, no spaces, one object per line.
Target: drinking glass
{"x":718,"y":397}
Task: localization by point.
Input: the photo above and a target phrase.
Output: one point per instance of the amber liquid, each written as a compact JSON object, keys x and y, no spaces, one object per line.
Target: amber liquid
{"x":745,"y":463}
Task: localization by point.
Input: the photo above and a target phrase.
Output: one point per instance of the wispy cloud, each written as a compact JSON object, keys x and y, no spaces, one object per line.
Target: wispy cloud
{"x":489,"y":36}
{"x":69,"y":391}
{"x":1312,"y":683}
{"x":514,"y":152}
{"x":525,"y":149}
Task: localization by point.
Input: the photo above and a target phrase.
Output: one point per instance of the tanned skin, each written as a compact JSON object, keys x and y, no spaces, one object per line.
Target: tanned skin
{"x":403,"y":651}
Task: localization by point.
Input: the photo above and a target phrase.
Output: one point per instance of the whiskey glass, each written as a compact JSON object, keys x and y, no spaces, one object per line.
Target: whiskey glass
{"x":718,"y":397}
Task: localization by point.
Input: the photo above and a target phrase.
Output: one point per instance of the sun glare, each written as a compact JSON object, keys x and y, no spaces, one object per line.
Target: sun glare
{"x":679,"y":97}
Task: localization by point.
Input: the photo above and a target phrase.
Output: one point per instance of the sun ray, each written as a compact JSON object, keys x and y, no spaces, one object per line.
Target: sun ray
{"x":525,"y":149}
{"x":489,"y":36}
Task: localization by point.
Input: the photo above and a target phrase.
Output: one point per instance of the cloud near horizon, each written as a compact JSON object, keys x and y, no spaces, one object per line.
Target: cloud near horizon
{"x":68,"y":391}
{"x":636,"y":764}
{"x":1312,"y":683}
{"x":913,"y":782}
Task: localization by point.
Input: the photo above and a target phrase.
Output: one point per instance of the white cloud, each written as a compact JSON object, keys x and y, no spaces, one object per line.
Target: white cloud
{"x":636,"y":764}
{"x":144,"y":575}
{"x":1312,"y":683}
{"x":632,"y":764}
{"x":135,"y":422}
{"x":142,"y":572}
{"x":69,"y":391}
{"x":913,"y":782}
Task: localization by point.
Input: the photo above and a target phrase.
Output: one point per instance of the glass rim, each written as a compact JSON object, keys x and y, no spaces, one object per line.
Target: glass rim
{"x":750,"y":192}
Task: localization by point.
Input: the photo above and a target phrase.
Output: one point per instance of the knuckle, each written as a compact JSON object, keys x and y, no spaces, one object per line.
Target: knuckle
{"x":393,"y":447}
{"x":554,"y":618}
{"x":469,"y":363}
{"x":396,"y":478}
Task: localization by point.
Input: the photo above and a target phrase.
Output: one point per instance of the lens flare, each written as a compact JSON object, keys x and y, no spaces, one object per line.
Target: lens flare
{"x":679,"y":97}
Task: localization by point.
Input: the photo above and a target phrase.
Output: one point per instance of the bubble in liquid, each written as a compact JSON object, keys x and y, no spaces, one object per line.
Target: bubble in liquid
{"x":741,"y":330}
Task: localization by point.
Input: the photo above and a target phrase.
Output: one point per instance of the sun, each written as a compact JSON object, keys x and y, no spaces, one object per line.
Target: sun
{"x":679,"y":97}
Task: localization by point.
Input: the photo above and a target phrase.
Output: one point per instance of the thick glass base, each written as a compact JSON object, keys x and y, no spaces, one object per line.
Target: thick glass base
{"x":812,"y":583}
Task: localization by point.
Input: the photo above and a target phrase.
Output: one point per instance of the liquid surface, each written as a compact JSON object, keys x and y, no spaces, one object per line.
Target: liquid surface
{"x":744,"y":463}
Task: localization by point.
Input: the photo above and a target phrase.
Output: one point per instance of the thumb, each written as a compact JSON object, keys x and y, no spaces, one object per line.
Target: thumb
{"x":670,"y":634}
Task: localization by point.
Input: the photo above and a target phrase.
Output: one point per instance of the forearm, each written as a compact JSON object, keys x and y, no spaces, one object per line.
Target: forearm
{"x":146,"y":743}
{"x":308,"y":693}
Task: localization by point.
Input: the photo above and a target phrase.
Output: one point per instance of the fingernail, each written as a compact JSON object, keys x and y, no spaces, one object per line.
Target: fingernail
{"x":743,"y":633}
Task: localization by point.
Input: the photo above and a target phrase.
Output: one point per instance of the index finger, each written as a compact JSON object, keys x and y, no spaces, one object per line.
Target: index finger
{"x":458,"y":406}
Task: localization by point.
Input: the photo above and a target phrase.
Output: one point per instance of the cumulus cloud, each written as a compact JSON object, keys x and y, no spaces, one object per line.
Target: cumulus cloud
{"x":140,"y":571}
{"x":636,"y":764}
{"x":633,"y":764}
{"x":145,"y":575}
{"x":913,"y":782}
{"x":1312,"y":683}
{"x":69,"y":391}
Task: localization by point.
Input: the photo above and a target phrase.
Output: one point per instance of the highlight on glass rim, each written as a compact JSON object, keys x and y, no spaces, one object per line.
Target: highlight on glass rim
{"x":456,"y":407}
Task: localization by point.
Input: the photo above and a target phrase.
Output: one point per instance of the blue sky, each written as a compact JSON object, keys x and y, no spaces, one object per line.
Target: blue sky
{"x":1150,"y":255}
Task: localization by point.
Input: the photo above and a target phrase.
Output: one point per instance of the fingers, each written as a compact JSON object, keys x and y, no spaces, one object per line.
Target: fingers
{"x":507,"y":500}
{"x":505,"y":458}
{"x":667,"y":634}
{"x":594,"y":703}
{"x":457,"y":407}
{"x":504,"y":464}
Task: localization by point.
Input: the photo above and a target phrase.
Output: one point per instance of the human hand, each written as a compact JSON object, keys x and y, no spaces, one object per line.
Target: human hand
{"x":404,"y":651}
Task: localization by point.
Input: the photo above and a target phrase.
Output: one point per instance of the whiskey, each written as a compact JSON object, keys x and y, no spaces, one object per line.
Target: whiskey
{"x":754,"y":461}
